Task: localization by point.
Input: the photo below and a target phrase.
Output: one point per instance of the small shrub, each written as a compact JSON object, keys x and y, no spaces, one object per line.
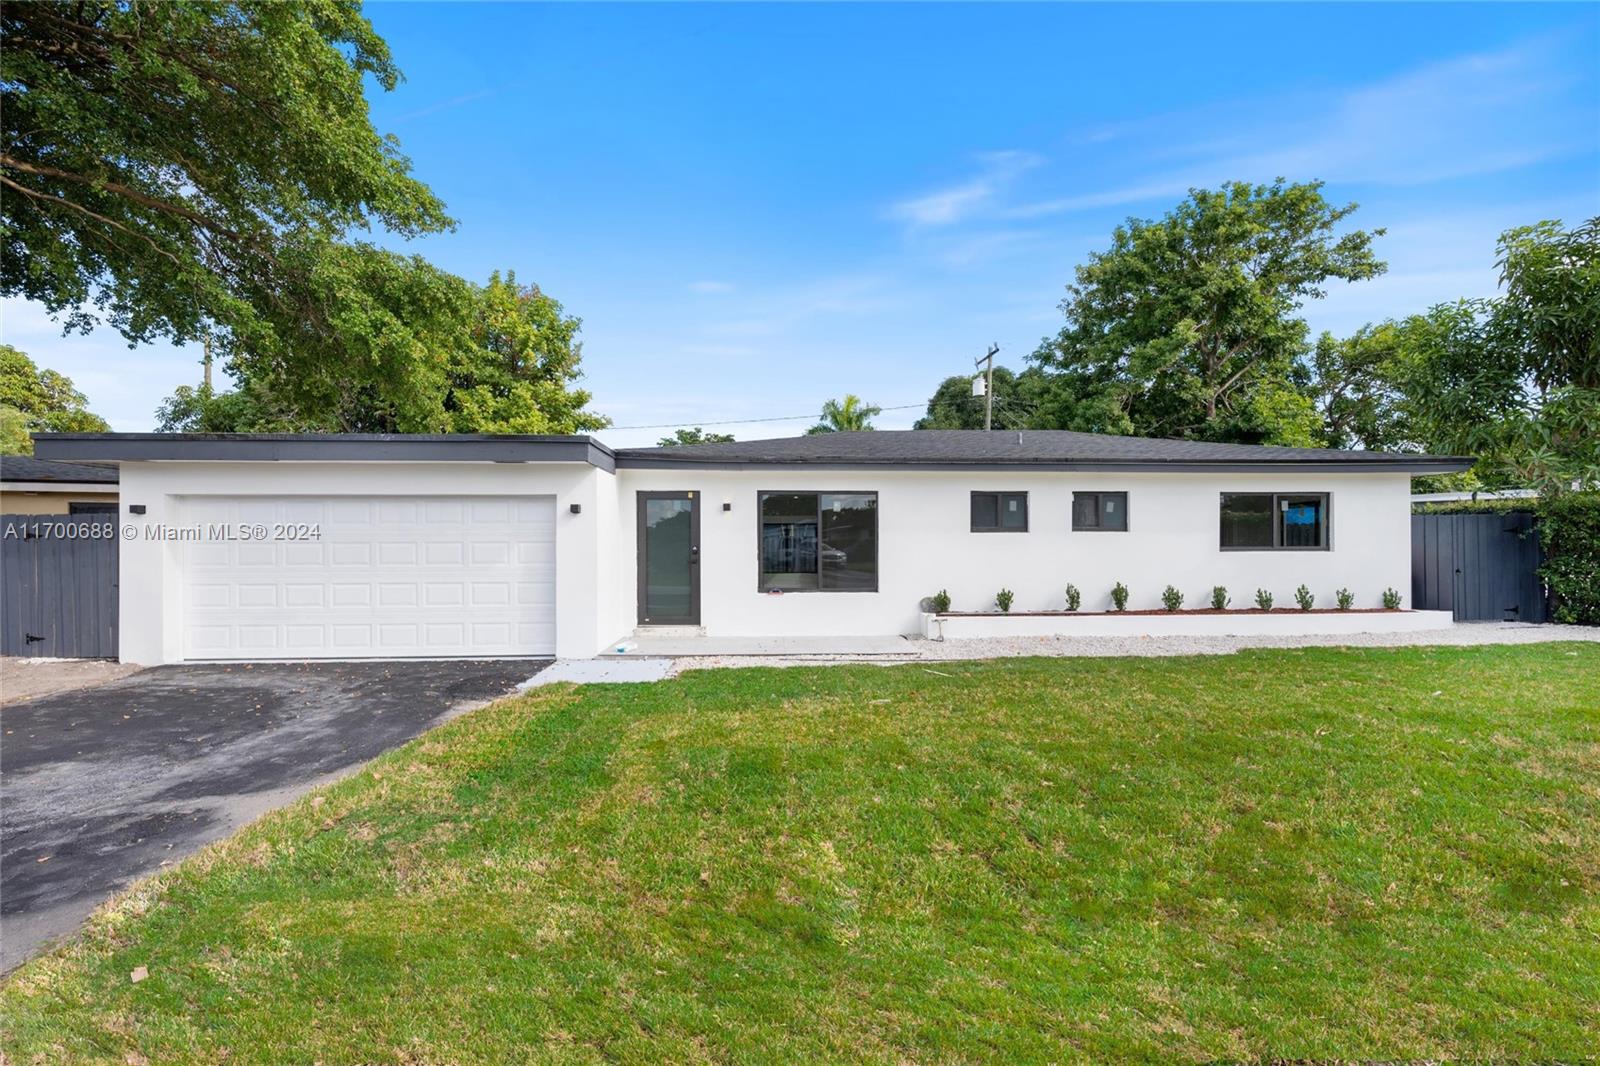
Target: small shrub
{"x":1074,"y":597}
{"x":1263,"y":600}
{"x":1346,"y":599}
{"x":1002,"y":600}
{"x":940,"y":601}
{"x":1119,"y":596}
{"x":1171,"y":598}
{"x":1304,"y":598}
{"x":1391,"y":599}
{"x":1219,"y":598}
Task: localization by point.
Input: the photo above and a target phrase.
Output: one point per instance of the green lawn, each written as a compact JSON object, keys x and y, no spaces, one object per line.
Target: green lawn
{"x":1329,"y":852}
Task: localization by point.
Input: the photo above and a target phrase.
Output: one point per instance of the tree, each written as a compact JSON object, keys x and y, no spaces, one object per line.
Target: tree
{"x":1016,"y":399}
{"x":850,"y":415}
{"x":518,"y":375}
{"x":1188,"y":326}
{"x":38,"y":401}
{"x":500,"y":358}
{"x":1351,"y":382}
{"x":694,"y":436}
{"x":1515,"y":380}
{"x":188,"y":170}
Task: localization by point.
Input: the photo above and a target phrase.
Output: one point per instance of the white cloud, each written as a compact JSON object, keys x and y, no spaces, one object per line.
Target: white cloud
{"x":1471,"y":115}
{"x":997,"y":171}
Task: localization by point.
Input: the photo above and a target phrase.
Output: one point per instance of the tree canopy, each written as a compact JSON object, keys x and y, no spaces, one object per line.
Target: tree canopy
{"x":38,"y":401}
{"x":502,"y":358}
{"x":850,"y":415}
{"x":1188,"y":326}
{"x":1016,"y":401}
{"x":694,"y":436}
{"x":196,"y":169}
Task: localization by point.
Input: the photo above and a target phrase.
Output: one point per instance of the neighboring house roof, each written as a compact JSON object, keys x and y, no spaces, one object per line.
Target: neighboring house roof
{"x":925,"y":449}
{"x":1014,"y":449}
{"x":21,"y":468}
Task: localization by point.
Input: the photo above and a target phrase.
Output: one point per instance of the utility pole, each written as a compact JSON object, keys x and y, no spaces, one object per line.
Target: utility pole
{"x":987,"y":365}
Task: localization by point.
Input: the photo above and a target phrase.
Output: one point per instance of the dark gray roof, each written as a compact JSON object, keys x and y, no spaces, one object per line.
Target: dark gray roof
{"x":1041,"y":449}
{"x":927,"y":449}
{"x":27,"y":468}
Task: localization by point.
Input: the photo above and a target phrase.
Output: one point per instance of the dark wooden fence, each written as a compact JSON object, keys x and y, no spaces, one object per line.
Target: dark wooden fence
{"x":58,"y":586}
{"x":1480,"y":567}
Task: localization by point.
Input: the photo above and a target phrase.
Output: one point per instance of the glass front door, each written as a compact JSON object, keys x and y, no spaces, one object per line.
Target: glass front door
{"x":669,"y":559}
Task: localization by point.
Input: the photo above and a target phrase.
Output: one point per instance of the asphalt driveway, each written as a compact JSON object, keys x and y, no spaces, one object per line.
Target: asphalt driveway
{"x":101,"y":786}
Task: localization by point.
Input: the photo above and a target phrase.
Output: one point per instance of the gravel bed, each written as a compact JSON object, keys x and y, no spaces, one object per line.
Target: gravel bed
{"x":1003,"y":647}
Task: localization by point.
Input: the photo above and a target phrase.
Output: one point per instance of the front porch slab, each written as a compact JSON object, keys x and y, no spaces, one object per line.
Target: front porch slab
{"x":1183,"y":624}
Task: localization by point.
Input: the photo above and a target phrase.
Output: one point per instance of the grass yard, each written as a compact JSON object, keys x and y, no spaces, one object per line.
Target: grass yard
{"x":1379,"y":853}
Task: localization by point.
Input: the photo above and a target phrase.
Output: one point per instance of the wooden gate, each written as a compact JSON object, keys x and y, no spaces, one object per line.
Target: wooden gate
{"x":58,"y":586}
{"x":1480,"y":567}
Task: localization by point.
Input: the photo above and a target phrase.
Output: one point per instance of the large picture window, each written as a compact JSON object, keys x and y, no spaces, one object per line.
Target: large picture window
{"x":1274,"y":521}
{"x":819,"y":541}
{"x":1100,"y":512}
{"x":999,"y":512}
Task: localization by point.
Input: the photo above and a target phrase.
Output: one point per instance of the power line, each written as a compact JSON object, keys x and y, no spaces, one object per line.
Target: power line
{"x":749,"y":421}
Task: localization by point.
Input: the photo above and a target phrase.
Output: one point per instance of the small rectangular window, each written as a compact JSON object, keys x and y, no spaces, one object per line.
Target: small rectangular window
{"x":999,"y":512}
{"x":814,"y":541}
{"x":90,"y":507}
{"x":1274,"y":521}
{"x":1105,"y":512}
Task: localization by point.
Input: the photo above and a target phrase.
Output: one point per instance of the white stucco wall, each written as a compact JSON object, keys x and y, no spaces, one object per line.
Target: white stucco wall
{"x":925,"y":545}
{"x":150,"y":604}
{"x":924,"y":541}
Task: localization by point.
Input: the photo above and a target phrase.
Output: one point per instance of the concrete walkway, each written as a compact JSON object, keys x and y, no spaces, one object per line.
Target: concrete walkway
{"x":699,"y":653}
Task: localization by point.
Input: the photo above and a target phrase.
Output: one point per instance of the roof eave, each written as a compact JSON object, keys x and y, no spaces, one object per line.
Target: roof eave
{"x":170,"y":447}
{"x":1406,"y":465}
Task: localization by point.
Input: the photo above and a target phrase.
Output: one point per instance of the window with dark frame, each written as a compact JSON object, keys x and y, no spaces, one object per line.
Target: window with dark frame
{"x":999,"y":512}
{"x":1099,"y":512}
{"x":90,"y":507}
{"x":818,"y":541}
{"x":1274,"y":521}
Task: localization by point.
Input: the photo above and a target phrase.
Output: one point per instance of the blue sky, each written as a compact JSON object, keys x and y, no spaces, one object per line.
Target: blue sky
{"x":754,"y":208}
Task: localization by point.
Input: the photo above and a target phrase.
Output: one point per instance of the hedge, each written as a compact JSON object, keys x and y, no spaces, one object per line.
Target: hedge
{"x":1570,"y":528}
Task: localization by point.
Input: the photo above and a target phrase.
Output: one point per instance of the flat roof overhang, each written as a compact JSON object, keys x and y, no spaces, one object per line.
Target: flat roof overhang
{"x":1399,"y":465}
{"x":323,"y":448}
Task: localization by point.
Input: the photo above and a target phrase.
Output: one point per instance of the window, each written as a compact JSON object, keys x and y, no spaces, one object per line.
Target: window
{"x":90,"y":507}
{"x":999,"y":512}
{"x":1272,"y":521}
{"x":1105,"y":512}
{"x":819,"y":541}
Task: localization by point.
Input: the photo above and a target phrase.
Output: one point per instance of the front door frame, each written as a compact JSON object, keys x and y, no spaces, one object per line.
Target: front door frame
{"x":640,"y":508}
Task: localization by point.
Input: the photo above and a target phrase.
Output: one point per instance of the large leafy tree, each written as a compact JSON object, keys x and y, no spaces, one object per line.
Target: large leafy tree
{"x":1351,"y":382}
{"x":1189,"y":326}
{"x":501,"y":358}
{"x":849,"y":415}
{"x":190,"y":169}
{"x":33,"y":400}
{"x":1515,"y":379}
{"x":518,"y":374}
{"x":1016,"y":401}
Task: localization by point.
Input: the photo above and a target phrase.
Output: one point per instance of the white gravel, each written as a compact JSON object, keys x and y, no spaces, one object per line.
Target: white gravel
{"x":1003,"y":647}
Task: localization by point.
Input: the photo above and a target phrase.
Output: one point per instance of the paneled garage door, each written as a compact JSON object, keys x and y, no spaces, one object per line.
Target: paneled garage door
{"x":383,"y":577}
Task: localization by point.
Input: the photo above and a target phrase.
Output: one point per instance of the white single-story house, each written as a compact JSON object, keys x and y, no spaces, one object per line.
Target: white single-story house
{"x":356,"y":546}
{"x":37,"y":486}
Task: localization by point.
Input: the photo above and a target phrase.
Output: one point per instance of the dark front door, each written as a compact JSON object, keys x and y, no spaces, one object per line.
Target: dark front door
{"x":669,"y":559}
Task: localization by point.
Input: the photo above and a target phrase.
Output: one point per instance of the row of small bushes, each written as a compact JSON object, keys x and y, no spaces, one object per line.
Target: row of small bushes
{"x":1172,"y":599}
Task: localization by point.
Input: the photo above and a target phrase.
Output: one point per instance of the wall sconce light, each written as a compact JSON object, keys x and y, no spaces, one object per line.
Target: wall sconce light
{"x":136,"y":508}
{"x":576,"y":508}
{"x":726,"y":506}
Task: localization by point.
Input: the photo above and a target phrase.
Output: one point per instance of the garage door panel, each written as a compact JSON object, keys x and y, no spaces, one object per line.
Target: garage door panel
{"x":420,"y":576}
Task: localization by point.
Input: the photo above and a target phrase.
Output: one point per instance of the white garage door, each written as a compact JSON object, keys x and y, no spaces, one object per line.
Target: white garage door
{"x":383,"y":577}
